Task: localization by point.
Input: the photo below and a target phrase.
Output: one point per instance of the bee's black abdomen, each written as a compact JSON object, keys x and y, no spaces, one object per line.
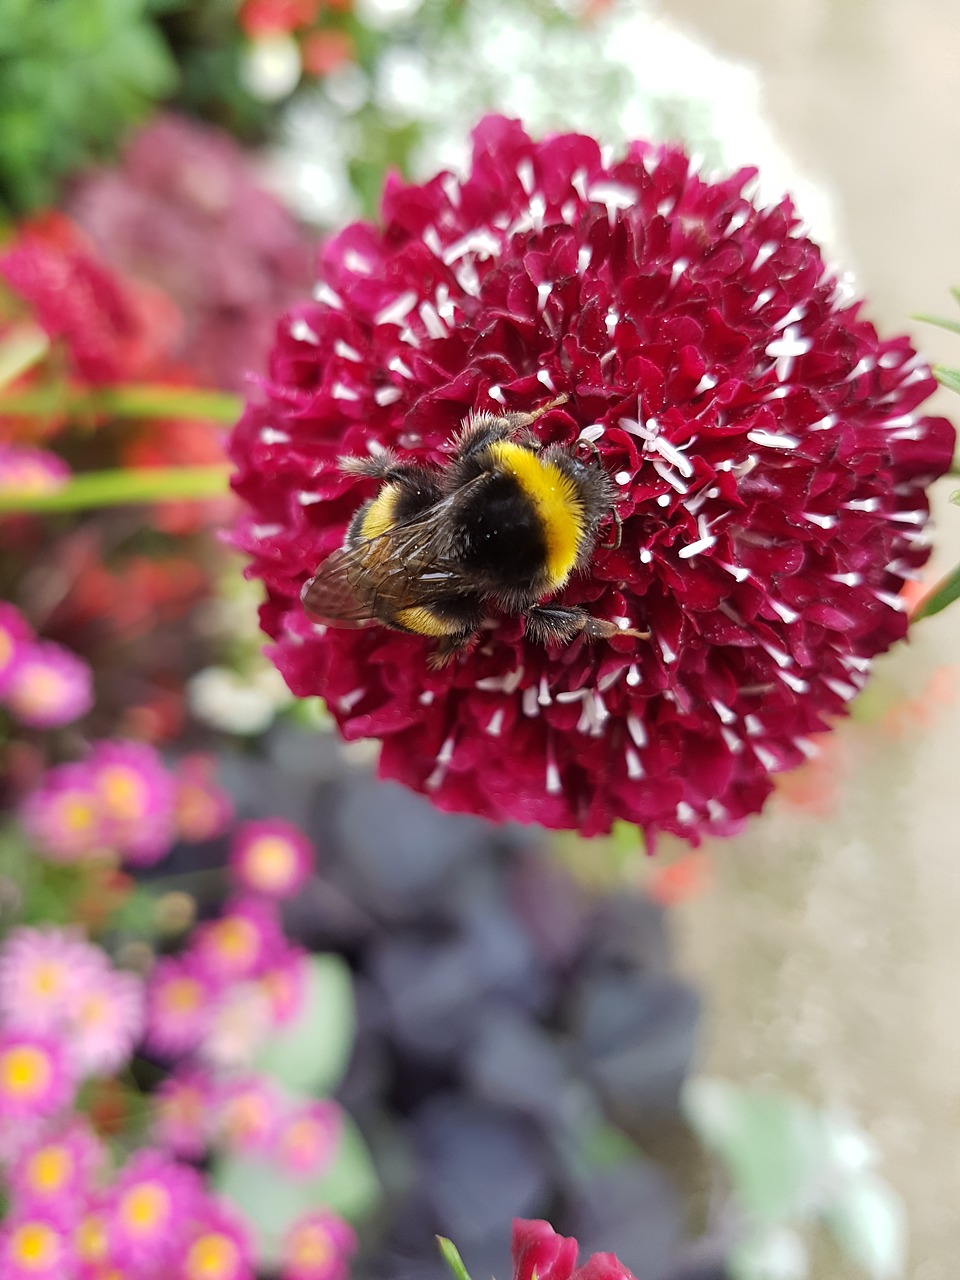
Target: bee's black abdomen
{"x":502,"y":538}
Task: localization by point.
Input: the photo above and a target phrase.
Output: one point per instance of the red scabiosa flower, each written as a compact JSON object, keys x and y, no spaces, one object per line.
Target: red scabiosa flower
{"x":763,"y":445}
{"x":540,"y":1254}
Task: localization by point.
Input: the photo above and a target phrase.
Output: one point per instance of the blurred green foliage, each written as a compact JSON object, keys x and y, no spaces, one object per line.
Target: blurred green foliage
{"x":74,"y":75}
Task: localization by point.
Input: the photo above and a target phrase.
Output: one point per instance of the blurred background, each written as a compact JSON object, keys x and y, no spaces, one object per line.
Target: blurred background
{"x":738,"y":1060}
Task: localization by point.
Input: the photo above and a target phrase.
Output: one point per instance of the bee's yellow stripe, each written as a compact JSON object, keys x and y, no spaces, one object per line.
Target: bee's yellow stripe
{"x":380,"y":515}
{"x":426,"y":623}
{"x":557,"y":505}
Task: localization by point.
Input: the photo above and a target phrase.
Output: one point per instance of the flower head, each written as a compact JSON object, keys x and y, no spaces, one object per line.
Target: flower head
{"x":182,"y":1107}
{"x":272,"y":857}
{"x":63,"y":815}
{"x":283,"y":982}
{"x":31,"y":471}
{"x":106,"y":1021}
{"x":247,"y":1114}
{"x":763,"y":443}
{"x":218,"y":1248}
{"x":180,"y":1003}
{"x":136,"y":797}
{"x":35,"y":1246}
{"x":318,"y":1247}
{"x":49,"y":686}
{"x":241,"y":942}
{"x":202,"y":808}
{"x":540,"y":1254}
{"x":58,"y":1169}
{"x":42,"y":974}
{"x":307,"y":1139}
{"x":35,"y":1078}
{"x":150,"y":1205}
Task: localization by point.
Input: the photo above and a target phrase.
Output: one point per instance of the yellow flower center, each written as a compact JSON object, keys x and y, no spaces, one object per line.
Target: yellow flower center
{"x":78,"y":814}
{"x":271,"y":863}
{"x":236,"y":940}
{"x":212,"y":1257}
{"x":181,"y":995}
{"x":38,"y":690}
{"x":49,"y":1168}
{"x":145,"y":1207}
{"x":92,"y":1239}
{"x":34,"y":1246}
{"x":25,"y":1071}
{"x":48,"y":979}
{"x":311,"y":1246}
{"x":124,"y":792}
{"x":245,"y":1116}
{"x":92,"y":1012}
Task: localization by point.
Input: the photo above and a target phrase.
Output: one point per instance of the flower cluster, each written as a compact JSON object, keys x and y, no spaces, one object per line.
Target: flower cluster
{"x":765,"y":445}
{"x":42,"y":684}
{"x":66,"y":1014}
{"x":122,"y":799}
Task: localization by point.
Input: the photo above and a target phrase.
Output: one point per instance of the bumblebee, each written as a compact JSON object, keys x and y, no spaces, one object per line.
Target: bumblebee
{"x":505,"y":522}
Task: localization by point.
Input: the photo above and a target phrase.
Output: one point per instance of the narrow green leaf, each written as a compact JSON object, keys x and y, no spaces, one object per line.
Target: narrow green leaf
{"x":949,"y":378}
{"x":952,"y":325}
{"x":117,"y":488}
{"x":451,"y":1256}
{"x":311,"y":1052}
{"x":945,"y":592}
{"x":955,"y":290}
{"x":139,"y":400}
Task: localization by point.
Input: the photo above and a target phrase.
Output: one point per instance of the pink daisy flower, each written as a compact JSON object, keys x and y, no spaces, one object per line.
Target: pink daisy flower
{"x":241,"y":942}
{"x":35,"y":1079}
{"x":284,"y":982}
{"x":59,"y":1169}
{"x":91,"y":1240}
{"x":63,"y":815}
{"x":272,"y":857}
{"x":150,"y":1206}
{"x":763,"y":449}
{"x":248,"y":1114}
{"x":180,"y":1002}
{"x":31,"y":471}
{"x":106,"y":1021}
{"x":203,"y":810}
{"x":183,"y":1109}
{"x":43,"y":971}
{"x":307,"y":1140}
{"x":136,"y":795}
{"x":240,"y":1023}
{"x":35,"y":1246}
{"x":15,"y":635}
{"x":318,"y":1247}
{"x":48,"y":686}
{"x":219,"y":1247}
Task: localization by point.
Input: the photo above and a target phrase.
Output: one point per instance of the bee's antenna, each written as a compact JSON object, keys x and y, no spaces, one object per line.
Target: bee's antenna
{"x":544,"y":408}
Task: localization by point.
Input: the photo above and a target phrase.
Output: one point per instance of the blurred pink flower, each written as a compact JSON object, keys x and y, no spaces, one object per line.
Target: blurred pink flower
{"x":43,"y":971}
{"x":247,"y":1113}
{"x":218,"y":1247}
{"x":58,"y":1170}
{"x":283,"y":982}
{"x":307,"y":1138}
{"x":35,"y":1074}
{"x":271,"y":856}
{"x":48,"y":686}
{"x":180,"y":1003}
{"x":150,"y":1206}
{"x":183,"y":1112}
{"x":136,"y":795}
{"x":318,"y":1247}
{"x":106,"y":1022}
{"x":31,"y":471}
{"x":202,"y":809}
{"x":35,"y":1246}
{"x":241,"y":942}
{"x":62,"y":815}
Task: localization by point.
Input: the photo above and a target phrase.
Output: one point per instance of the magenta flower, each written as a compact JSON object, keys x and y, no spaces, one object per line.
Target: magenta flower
{"x":247,"y":1114}
{"x":241,"y":942}
{"x":43,"y":972}
{"x":58,"y":1170}
{"x":151,"y":1204}
{"x":15,"y":635}
{"x":106,"y":1022}
{"x":307,"y":1139}
{"x":24,"y":470}
{"x":35,"y":1075}
{"x":202,"y":809}
{"x":180,"y":1003}
{"x":48,"y":686}
{"x":283,"y":982}
{"x":540,"y":1254}
{"x":63,"y":815}
{"x":764,"y":445}
{"x":219,"y":1247}
{"x":318,"y":1247}
{"x":272,"y":857}
{"x":136,"y":796}
{"x":183,"y":1107}
{"x":35,"y":1246}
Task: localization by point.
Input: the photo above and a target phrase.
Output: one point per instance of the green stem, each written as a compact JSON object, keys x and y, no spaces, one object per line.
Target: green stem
{"x":140,"y":400}
{"x":117,"y":488}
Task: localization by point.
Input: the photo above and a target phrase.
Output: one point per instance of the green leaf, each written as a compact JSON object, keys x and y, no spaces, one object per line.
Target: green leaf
{"x":769,"y":1254}
{"x":868,"y":1219}
{"x":271,"y":1201}
{"x":22,"y":347}
{"x":92,"y":489}
{"x":451,"y":1256}
{"x":952,"y":325}
{"x":944,"y":593}
{"x":774,"y":1146}
{"x":311,"y":1052}
{"x":949,"y":378}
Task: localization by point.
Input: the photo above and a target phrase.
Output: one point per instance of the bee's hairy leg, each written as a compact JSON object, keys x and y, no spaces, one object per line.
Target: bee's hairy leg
{"x":447,"y":648}
{"x":559,"y":624}
{"x":385,"y":465}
